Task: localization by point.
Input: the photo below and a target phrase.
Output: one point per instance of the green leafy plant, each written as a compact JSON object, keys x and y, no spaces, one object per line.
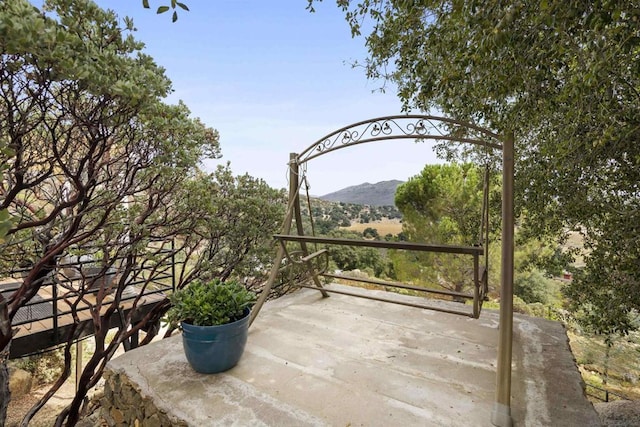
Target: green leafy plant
{"x":163,"y":9}
{"x":209,"y":303}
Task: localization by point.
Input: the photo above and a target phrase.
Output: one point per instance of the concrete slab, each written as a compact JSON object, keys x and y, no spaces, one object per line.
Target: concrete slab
{"x":348,"y":361}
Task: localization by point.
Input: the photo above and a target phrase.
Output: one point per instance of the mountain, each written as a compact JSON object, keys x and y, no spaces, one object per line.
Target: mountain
{"x":380,"y":194}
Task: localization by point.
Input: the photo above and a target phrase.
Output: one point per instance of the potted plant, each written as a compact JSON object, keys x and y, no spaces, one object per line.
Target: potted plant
{"x":214,"y":318}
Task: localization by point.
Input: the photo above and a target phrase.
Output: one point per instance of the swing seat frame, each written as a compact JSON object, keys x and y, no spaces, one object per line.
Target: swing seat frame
{"x":416,"y":127}
{"x":480,"y":277}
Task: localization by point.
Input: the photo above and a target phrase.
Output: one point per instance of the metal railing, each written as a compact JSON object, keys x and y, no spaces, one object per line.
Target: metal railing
{"x":77,"y":277}
{"x":599,"y":392}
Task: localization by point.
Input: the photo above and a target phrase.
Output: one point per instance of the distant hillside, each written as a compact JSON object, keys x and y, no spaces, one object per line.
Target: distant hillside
{"x":380,"y":194}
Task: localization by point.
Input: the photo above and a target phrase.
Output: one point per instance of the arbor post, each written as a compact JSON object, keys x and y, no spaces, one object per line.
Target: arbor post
{"x":286,"y":229}
{"x":501,"y":415}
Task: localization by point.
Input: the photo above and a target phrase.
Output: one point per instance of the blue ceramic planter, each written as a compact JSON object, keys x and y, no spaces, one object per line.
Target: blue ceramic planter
{"x":211,"y":349}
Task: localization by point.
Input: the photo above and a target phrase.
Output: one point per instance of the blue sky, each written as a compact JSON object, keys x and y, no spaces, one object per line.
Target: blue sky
{"x":273,"y":78}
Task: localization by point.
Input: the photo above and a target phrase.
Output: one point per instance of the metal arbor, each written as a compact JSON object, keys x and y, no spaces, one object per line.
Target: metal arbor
{"x":415,"y":127}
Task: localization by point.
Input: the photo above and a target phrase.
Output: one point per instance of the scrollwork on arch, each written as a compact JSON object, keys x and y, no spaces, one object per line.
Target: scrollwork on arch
{"x":401,"y":127}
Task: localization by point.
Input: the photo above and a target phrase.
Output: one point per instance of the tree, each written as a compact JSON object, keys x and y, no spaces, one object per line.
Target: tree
{"x":536,"y":261}
{"x":605,"y":296}
{"x":97,"y":163}
{"x":80,"y":112}
{"x":356,"y":258}
{"x":371,"y":233}
{"x":234,"y":233}
{"x":563,"y":76}
{"x":441,"y":205}
{"x":532,"y":286}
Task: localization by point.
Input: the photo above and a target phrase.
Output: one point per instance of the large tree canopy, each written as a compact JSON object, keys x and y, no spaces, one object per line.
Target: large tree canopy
{"x":93,"y":161}
{"x":564,"y":76}
{"x":441,"y":205}
{"x":90,"y":155}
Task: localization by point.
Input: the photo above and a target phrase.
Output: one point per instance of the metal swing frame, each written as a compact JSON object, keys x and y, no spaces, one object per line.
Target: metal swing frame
{"x":415,"y":127}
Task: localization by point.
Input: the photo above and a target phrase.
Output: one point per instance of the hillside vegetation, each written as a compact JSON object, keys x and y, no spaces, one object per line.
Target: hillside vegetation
{"x":328,"y":215}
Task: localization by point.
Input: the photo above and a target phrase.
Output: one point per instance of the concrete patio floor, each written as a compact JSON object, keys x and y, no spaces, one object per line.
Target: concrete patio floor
{"x":347,"y":361}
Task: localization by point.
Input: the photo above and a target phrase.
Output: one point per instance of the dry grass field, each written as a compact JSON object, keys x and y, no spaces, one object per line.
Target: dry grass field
{"x":384,"y":226}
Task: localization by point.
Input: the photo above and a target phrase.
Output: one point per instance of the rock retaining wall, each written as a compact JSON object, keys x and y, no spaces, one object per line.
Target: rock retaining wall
{"x":123,"y":404}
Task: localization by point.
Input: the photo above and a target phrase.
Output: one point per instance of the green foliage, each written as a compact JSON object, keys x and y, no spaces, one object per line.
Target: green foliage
{"x":328,"y":216}
{"x":519,"y":306}
{"x":605,"y":293}
{"x":539,"y":253}
{"x":371,"y":233}
{"x":563,"y":76}
{"x":323,"y":226}
{"x":349,"y":258}
{"x":441,"y":205}
{"x":95,"y":154}
{"x":613,"y":362}
{"x":5,"y":223}
{"x":209,"y":303}
{"x":91,"y":156}
{"x":163,"y":9}
{"x":533,"y":287}
{"x":235,"y":218}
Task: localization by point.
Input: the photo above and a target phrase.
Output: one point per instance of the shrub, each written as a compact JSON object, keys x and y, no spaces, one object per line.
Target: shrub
{"x":45,"y":367}
{"x":532,"y":287}
{"x":209,"y":303}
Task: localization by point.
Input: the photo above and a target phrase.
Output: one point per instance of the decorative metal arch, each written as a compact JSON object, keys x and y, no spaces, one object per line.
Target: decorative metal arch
{"x":410,"y":126}
{"x":437,"y":129}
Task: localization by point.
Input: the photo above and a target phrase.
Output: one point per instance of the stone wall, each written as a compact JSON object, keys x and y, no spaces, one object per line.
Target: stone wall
{"x":123,"y":404}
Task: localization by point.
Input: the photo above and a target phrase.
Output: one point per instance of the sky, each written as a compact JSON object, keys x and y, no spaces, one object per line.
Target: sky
{"x":273,"y":78}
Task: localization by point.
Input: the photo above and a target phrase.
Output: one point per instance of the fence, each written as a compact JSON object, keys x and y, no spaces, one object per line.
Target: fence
{"x":603,"y":394}
{"x":44,"y":320}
